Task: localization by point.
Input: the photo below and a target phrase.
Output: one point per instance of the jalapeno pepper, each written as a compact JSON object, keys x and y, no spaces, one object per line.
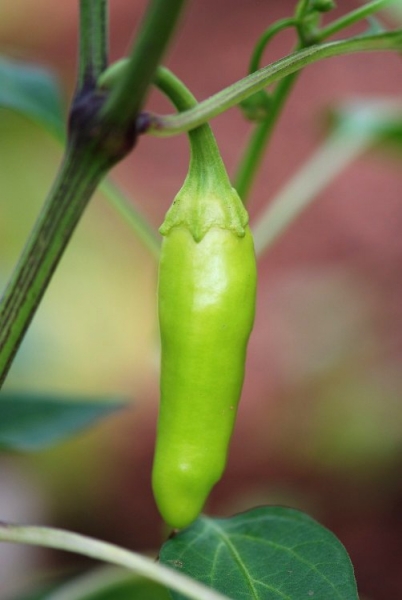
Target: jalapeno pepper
{"x":206,"y":305}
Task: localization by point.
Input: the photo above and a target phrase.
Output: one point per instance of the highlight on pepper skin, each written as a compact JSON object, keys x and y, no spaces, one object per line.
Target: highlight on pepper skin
{"x":206,"y":299}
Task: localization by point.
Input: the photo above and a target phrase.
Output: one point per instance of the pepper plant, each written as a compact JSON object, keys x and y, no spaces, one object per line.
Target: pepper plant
{"x":206,"y":298}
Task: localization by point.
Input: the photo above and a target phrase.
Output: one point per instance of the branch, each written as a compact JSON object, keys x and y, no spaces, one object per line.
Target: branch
{"x":167,"y":125}
{"x":80,"y":544}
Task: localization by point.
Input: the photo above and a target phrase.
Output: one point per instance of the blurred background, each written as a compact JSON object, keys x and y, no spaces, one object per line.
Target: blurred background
{"x":320,"y":422}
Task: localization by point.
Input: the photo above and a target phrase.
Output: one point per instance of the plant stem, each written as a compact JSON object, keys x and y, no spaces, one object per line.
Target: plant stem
{"x":262,"y":132}
{"x":87,"y":159}
{"x":206,"y":180}
{"x":353,"y":17}
{"x":256,"y":147}
{"x":94,"y":146}
{"x":261,"y":135}
{"x":202,"y":141}
{"x":78,"y":177}
{"x":126,"y":209}
{"x":174,"y":89}
{"x":73,"y":542}
{"x":128,"y":96}
{"x":301,"y":8}
{"x":167,"y":125}
{"x":266,"y":38}
{"x":93,"y":47}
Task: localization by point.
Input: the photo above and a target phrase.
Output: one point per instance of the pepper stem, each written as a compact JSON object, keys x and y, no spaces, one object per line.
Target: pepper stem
{"x":207,"y":198}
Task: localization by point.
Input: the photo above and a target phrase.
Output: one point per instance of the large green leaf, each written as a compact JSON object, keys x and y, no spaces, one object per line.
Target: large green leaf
{"x":33,"y":92}
{"x":31,"y":422}
{"x":268,"y":553}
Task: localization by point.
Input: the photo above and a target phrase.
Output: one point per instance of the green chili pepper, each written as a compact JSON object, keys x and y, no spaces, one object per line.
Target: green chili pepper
{"x":206,"y":303}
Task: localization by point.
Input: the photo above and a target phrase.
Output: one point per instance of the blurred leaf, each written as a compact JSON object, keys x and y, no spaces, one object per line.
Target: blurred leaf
{"x":30,"y":422}
{"x":33,"y":92}
{"x":380,"y":118}
{"x":266,"y":553}
{"x":395,"y":9}
{"x":39,"y":594}
{"x":374,"y":26}
{"x":142,"y":589}
{"x":105,"y":583}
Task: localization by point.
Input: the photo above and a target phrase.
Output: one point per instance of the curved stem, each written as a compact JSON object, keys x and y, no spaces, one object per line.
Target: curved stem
{"x":174,"y":89}
{"x":173,"y":124}
{"x":261,"y":135}
{"x":207,"y":185}
{"x":266,"y":38}
{"x":73,"y":542}
{"x":204,"y":149}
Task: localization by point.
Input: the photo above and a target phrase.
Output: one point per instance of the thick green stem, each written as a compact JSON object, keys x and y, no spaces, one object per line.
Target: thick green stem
{"x":79,"y":175}
{"x":93,"y":49}
{"x":95,"y":145}
{"x":166,"y":125}
{"x":127,"y":98}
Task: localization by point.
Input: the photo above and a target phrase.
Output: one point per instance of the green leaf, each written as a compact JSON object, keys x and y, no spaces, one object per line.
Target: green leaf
{"x":140,"y":588}
{"x":394,"y":9}
{"x":374,"y":26}
{"x":269,"y":553}
{"x":104,"y":583}
{"x":33,"y":92}
{"x":380,"y":118}
{"x":37,"y":594}
{"x":30,"y":422}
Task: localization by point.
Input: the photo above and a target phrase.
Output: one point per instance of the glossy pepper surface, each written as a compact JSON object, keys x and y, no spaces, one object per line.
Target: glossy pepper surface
{"x":206,"y":312}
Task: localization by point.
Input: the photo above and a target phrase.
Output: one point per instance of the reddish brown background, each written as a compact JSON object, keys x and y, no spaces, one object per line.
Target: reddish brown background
{"x":328,"y":329}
